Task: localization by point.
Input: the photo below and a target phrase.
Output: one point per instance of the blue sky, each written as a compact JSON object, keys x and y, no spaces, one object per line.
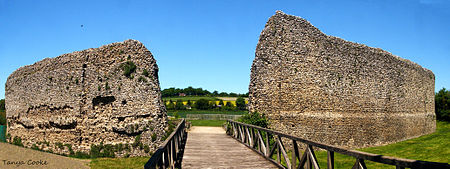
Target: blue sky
{"x":211,"y":44}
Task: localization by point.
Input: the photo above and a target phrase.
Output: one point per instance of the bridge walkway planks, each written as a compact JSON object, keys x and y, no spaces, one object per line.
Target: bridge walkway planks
{"x":210,"y":147}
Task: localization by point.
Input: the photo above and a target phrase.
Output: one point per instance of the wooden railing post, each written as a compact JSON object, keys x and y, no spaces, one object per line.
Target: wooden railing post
{"x":330,"y":159}
{"x":267,"y":144}
{"x":170,"y":153}
{"x":258,"y":139}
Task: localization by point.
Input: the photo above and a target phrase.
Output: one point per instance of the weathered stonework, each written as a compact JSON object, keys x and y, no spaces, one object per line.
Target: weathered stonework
{"x":329,"y":90}
{"x":84,"y":98}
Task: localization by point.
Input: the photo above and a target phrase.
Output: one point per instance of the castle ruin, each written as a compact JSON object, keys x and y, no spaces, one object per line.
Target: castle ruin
{"x":107,"y":95}
{"x":332,"y":91}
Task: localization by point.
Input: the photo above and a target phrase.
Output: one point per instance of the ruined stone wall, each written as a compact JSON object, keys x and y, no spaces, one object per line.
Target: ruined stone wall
{"x":329,"y":90}
{"x":84,"y":98}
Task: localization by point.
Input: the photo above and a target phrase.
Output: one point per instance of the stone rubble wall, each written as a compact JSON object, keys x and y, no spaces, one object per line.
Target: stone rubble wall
{"x":329,"y":90}
{"x":84,"y":98}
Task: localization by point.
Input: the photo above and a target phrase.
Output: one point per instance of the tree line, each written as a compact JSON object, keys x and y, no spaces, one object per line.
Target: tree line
{"x":190,"y":91}
{"x":442,"y":105}
{"x":203,"y":104}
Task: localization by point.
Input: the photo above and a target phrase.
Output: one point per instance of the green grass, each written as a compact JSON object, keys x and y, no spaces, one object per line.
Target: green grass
{"x":107,"y":163}
{"x":183,"y":113}
{"x":433,"y":147}
{"x":191,"y":98}
{"x":212,"y":123}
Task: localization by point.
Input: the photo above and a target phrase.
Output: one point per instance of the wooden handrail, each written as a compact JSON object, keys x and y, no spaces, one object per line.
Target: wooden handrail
{"x":257,"y":138}
{"x":170,"y":153}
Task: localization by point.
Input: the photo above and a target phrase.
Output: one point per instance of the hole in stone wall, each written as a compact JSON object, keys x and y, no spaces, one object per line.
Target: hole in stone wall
{"x":121,"y":118}
{"x":103,"y":100}
{"x":124,"y":102}
{"x":70,"y":125}
{"x":84,"y":66}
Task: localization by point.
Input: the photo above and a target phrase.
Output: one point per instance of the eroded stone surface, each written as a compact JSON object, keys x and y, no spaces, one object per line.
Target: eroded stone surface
{"x":329,"y":90}
{"x":84,"y":98}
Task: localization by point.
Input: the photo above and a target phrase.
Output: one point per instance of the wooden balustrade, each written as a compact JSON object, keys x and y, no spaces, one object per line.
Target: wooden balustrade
{"x":267,"y":142}
{"x":170,"y":153}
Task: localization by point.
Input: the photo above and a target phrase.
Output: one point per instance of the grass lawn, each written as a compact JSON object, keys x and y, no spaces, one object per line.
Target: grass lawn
{"x":433,"y":147}
{"x":183,"y":113}
{"x":107,"y":163}
{"x":213,"y":123}
{"x":191,"y":98}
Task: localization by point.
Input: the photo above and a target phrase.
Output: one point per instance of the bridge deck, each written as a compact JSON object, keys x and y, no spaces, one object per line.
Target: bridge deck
{"x":210,"y":147}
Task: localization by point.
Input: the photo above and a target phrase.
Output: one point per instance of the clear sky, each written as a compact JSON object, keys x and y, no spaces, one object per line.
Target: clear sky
{"x":211,"y":43}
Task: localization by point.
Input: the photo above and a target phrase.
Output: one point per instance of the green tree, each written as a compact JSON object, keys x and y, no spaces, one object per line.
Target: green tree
{"x":2,"y":105}
{"x":240,"y":103}
{"x":171,"y":105}
{"x":254,"y":118}
{"x":179,"y":105}
{"x":202,"y":104}
{"x":2,"y":112}
{"x":442,"y":105}
{"x":220,"y":106}
{"x":189,"y":103}
{"x":229,"y":106}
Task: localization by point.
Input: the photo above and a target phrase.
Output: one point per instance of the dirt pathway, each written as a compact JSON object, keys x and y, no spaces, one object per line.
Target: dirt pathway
{"x":12,"y":156}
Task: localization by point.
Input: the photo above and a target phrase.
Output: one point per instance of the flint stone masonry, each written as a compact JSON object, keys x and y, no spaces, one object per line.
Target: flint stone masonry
{"x":84,"y":98}
{"x":332,"y":91}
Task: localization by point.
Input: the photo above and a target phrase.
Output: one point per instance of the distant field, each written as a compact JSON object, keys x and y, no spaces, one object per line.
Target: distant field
{"x":213,"y":123}
{"x":230,"y":98}
{"x":186,"y":98}
{"x":183,"y":113}
{"x":195,"y":98}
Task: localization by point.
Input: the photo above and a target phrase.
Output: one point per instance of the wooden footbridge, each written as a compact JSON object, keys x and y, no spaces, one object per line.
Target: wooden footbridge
{"x":240,"y":145}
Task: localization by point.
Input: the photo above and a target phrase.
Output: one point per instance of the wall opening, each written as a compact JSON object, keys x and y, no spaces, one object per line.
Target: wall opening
{"x":99,"y":100}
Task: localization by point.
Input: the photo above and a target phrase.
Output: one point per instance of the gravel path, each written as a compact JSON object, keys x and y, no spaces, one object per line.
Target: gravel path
{"x":12,"y":156}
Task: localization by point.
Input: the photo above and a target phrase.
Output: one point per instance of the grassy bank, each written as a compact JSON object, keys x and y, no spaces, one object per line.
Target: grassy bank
{"x":212,"y":123}
{"x":433,"y":147}
{"x":107,"y":163}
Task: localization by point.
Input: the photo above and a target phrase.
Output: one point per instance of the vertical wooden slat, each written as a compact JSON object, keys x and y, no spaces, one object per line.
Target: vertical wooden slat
{"x":330,"y":159}
{"x":312,"y":157}
{"x":261,"y":143}
{"x":278,"y":152}
{"x":267,"y":144}
{"x":254,"y":138}
{"x":283,"y":151}
{"x":249,"y":136}
{"x":362,"y":164}
{"x":294,"y":154}
{"x":308,"y":161}
{"x":303,"y":160}
{"x":359,"y":164}
{"x":242,"y":133}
